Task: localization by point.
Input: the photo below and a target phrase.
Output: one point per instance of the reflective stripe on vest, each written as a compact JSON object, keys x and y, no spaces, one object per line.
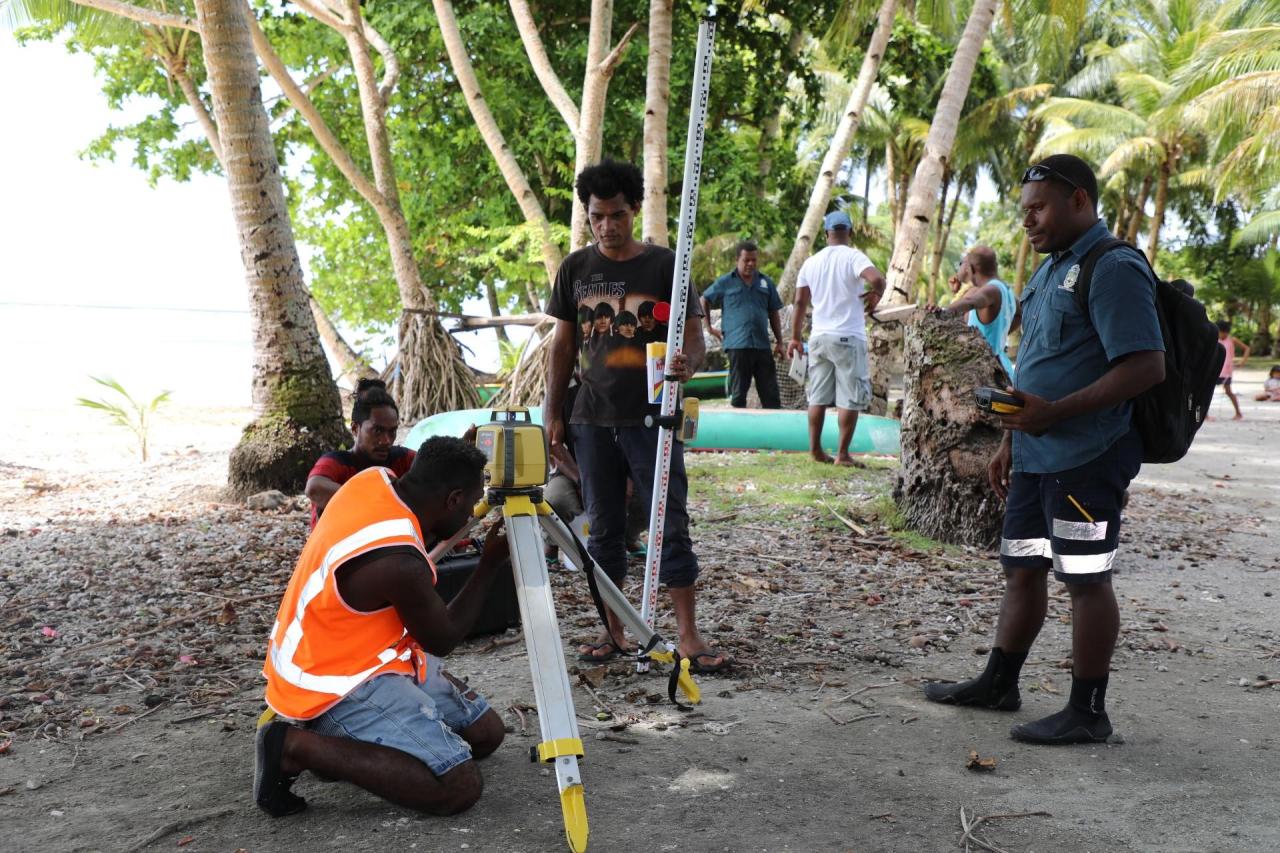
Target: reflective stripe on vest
{"x":320,"y":648}
{"x":282,"y":656}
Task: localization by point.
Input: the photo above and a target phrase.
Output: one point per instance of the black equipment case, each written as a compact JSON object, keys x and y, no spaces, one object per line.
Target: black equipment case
{"x":501,"y":609}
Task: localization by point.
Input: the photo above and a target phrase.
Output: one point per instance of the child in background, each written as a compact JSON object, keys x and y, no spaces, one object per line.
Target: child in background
{"x":1271,"y":387}
{"x":1230,"y":344}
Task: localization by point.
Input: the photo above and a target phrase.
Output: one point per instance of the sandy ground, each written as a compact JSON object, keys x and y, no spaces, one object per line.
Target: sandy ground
{"x":818,"y":741}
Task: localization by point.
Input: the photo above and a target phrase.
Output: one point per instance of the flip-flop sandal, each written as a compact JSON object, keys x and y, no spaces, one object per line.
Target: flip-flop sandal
{"x":590,"y":656}
{"x":707,"y":669}
{"x":270,"y":784}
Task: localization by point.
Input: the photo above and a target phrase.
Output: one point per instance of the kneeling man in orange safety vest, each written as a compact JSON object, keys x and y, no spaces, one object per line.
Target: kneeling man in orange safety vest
{"x":354,"y":671}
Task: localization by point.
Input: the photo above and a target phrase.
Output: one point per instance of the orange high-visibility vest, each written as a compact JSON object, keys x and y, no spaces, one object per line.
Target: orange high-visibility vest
{"x":321,"y":649}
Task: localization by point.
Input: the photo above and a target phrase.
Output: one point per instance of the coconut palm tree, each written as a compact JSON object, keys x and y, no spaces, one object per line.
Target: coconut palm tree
{"x":1150,"y":135}
{"x":298,"y":412}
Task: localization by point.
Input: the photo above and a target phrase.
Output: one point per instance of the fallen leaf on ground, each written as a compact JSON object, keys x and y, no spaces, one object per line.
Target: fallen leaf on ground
{"x":185,"y":840}
{"x":976,"y":762}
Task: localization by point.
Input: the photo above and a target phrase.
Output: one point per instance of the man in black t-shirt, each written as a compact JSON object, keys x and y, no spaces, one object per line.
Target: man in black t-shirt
{"x":615,"y":275}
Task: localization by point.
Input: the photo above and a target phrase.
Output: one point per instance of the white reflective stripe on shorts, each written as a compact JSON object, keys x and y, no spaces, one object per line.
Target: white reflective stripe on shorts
{"x":282,"y":654}
{"x":1080,"y":531}
{"x":1024,"y":547}
{"x":1083,"y":564}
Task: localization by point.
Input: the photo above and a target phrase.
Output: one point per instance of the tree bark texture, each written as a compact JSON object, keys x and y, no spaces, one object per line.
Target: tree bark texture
{"x":921,"y":201}
{"x":595,"y":87}
{"x":298,"y":412}
{"x":942,"y":234}
{"x":657,"y":104}
{"x":351,"y":365}
{"x":516,"y":180}
{"x":941,"y":487}
{"x":390,"y":215}
{"x":1139,"y":211}
{"x":541,"y":63}
{"x":1157,"y":215}
{"x":1020,"y":271}
{"x":838,"y":151}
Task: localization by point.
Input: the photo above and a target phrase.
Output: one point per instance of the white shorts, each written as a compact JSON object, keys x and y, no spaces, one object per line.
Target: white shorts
{"x":838,"y":372}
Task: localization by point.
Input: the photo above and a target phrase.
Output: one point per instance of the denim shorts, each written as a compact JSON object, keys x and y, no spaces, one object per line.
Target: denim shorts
{"x":1070,"y":520}
{"x":421,"y":719}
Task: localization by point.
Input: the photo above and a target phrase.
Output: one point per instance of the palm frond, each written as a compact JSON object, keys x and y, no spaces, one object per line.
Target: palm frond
{"x":1090,"y":143}
{"x":1138,"y":154}
{"x":1092,"y":114}
{"x":92,"y":26}
{"x":1262,"y":228}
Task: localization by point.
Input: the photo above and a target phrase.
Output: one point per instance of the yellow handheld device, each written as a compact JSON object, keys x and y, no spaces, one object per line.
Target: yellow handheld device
{"x":997,"y":402}
{"x":516,"y":448}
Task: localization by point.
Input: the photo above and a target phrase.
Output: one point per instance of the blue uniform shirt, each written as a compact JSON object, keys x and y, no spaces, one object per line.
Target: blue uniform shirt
{"x":1063,"y":350}
{"x":744,"y":309}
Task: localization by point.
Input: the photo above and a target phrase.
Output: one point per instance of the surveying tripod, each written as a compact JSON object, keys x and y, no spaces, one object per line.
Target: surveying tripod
{"x":516,"y":471}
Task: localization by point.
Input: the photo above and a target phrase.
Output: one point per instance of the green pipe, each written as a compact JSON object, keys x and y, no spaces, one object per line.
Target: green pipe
{"x":718,"y":429}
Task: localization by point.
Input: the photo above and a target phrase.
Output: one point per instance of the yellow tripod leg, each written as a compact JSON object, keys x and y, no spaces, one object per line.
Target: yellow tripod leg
{"x":573,"y":806}
{"x":561,"y":745}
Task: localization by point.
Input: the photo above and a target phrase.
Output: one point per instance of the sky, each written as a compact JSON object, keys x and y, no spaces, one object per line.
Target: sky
{"x":101,"y":274}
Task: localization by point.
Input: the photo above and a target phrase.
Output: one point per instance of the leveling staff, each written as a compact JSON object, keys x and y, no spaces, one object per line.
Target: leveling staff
{"x":354,"y":658}
{"x":614,"y":276}
{"x":1069,"y":452}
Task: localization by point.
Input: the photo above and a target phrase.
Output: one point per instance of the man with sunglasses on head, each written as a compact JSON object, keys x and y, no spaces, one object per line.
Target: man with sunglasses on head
{"x":1069,"y":453}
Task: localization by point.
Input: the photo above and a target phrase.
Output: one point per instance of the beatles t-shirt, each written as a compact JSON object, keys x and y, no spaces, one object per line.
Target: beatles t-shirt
{"x":616,"y":306}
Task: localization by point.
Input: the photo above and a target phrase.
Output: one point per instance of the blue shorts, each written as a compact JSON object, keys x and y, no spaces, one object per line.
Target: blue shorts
{"x":1045,"y":522}
{"x":421,"y":719}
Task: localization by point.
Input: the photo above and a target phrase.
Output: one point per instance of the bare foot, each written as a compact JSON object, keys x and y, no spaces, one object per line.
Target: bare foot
{"x":1238,"y":417}
{"x":849,"y":462}
{"x":821,"y":457}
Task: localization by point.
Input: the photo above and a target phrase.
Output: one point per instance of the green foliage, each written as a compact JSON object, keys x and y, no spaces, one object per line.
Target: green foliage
{"x":133,"y":415}
{"x":781,"y":75}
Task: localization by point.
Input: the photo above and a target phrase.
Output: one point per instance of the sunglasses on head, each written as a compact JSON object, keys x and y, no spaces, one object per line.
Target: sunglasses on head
{"x":1044,"y":173}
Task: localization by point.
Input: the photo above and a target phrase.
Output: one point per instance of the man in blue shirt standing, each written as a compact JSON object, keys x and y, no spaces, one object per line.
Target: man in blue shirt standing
{"x":1069,"y":452}
{"x":749,"y":306}
{"x":989,"y":303}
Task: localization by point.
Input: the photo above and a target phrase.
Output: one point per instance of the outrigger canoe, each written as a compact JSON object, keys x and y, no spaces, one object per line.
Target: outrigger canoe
{"x":719,"y":428}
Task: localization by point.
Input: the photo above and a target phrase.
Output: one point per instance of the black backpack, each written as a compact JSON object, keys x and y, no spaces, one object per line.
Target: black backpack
{"x":1169,"y":414}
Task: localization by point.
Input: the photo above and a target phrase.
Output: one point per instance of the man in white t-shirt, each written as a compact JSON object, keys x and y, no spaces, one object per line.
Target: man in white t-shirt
{"x":832,"y":280}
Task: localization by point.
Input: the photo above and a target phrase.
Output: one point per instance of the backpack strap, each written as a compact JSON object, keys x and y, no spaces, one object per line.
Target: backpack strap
{"x":1090,"y":260}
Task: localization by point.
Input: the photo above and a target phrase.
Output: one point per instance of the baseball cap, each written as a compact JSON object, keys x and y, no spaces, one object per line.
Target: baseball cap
{"x":837,"y":219}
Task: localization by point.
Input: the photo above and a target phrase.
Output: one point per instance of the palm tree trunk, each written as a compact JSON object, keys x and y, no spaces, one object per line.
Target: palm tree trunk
{"x":866,"y":192}
{"x":1020,"y":271}
{"x":908,"y":242}
{"x":351,"y":365}
{"x":657,"y":104}
{"x":495,"y":310}
{"x":891,"y":182}
{"x":297,"y":411}
{"x":941,"y":233}
{"x":1139,"y":211}
{"x":771,"y":128}
{"x":1157,"y":216}
{"x":904,"y":266}
{"x":838,"y":150}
